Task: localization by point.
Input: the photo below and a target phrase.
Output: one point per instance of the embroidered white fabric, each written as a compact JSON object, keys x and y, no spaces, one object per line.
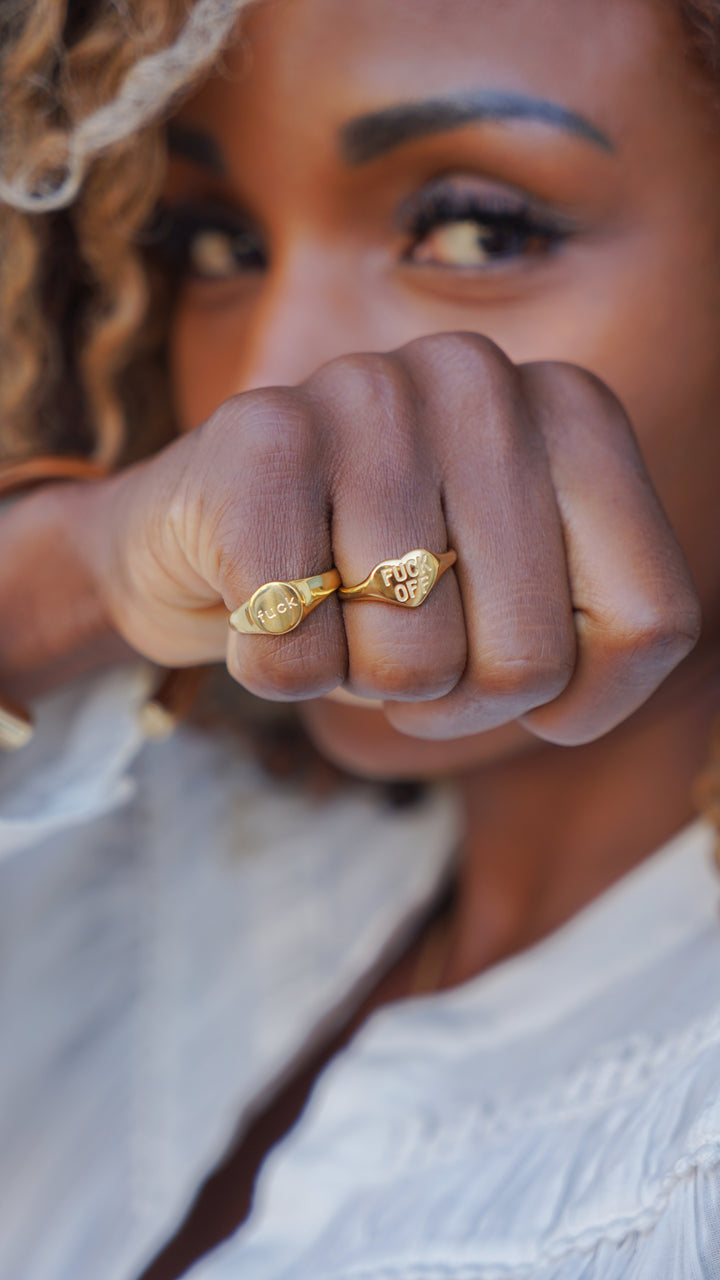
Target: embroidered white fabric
{"x":175,"y":930}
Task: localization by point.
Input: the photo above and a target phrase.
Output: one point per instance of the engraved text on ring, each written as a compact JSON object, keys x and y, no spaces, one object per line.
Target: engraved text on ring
{"x":410,"y":580}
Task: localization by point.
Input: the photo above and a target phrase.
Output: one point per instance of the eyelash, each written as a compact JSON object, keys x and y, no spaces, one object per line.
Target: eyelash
{"x":174,"y":228}
{"x":508,"y":228}
{"x":516,"y":227}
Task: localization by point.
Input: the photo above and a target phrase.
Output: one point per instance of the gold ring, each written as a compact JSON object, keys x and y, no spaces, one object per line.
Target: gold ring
{"x":278,"y":607}
{"x":407,"y":581}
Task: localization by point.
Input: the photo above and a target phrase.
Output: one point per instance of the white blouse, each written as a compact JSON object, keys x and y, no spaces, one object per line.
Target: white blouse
{"x":176,"y":931}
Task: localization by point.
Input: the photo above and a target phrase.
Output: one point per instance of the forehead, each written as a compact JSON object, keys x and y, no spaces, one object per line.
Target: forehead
{"x":600,"y":55}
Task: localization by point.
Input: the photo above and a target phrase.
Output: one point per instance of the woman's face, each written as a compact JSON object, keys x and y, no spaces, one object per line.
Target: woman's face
{"x":544,"y":172}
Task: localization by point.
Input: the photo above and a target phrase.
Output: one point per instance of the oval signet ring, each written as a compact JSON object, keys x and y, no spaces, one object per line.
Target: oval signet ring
{"x":278,"y":607}
{"x":407,"y":581}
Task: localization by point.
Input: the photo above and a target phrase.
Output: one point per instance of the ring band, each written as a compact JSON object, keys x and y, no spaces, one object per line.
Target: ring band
{"x":407,"y":581}
{"x":278,"y":607}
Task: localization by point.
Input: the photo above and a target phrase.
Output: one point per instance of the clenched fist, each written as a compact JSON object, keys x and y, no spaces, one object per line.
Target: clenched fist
{"x":570,"y":600}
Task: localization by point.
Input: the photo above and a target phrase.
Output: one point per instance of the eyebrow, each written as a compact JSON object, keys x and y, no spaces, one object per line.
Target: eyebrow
{"x":369,"y":136}
{"x":188,"y":142}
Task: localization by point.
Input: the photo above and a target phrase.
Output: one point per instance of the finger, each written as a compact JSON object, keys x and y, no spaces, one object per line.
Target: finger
{"x":636,"y":611}
{"x":260,"y":514}
{"x":503,"y":520}
{"x":386,"y":503}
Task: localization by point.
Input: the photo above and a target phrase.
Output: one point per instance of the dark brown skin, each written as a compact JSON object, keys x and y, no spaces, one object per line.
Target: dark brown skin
{"x":558,"y":423}
{"x":498,"y":435}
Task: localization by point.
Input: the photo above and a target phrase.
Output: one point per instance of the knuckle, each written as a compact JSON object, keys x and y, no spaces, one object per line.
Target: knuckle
{"x":665,"y":635}
{"x":572,"y":381}
{"x":525,"y":678}
{"x":572,"y":403}
{"x":371,"y":387}
{"x":254,"y":471}
{"x":463,"y":355}
{"x":375,"y":454}
{"x":392,"y":676}
{"x":253,"y":444}
{"x":466,"y":379}
{"x":289,"y":672}
{"x":275,"y":431}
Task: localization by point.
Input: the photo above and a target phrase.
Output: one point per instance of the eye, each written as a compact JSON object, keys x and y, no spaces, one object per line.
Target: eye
{"x":456,"y":226}
{"x":477,"y":241}
{"x":205,"y":243}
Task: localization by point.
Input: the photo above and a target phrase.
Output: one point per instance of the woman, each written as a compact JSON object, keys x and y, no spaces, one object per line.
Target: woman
{"x":516,"y":206}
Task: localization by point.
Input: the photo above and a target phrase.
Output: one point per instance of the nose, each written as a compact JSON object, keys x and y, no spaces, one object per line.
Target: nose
{"x":308,"y":307}
{"x":310,"y":310}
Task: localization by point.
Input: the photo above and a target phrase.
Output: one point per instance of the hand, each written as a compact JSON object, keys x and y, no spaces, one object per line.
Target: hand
{"x":570,"y":600}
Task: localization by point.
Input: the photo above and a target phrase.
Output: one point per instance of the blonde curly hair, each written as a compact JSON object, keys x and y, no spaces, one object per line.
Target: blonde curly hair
{"x":84,"y":87}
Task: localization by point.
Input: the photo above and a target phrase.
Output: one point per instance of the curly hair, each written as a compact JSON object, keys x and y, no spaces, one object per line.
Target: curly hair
{"x":84,"y":88}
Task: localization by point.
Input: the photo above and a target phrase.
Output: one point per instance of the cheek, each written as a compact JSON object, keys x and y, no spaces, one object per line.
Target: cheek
{"x":204,"y":361}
